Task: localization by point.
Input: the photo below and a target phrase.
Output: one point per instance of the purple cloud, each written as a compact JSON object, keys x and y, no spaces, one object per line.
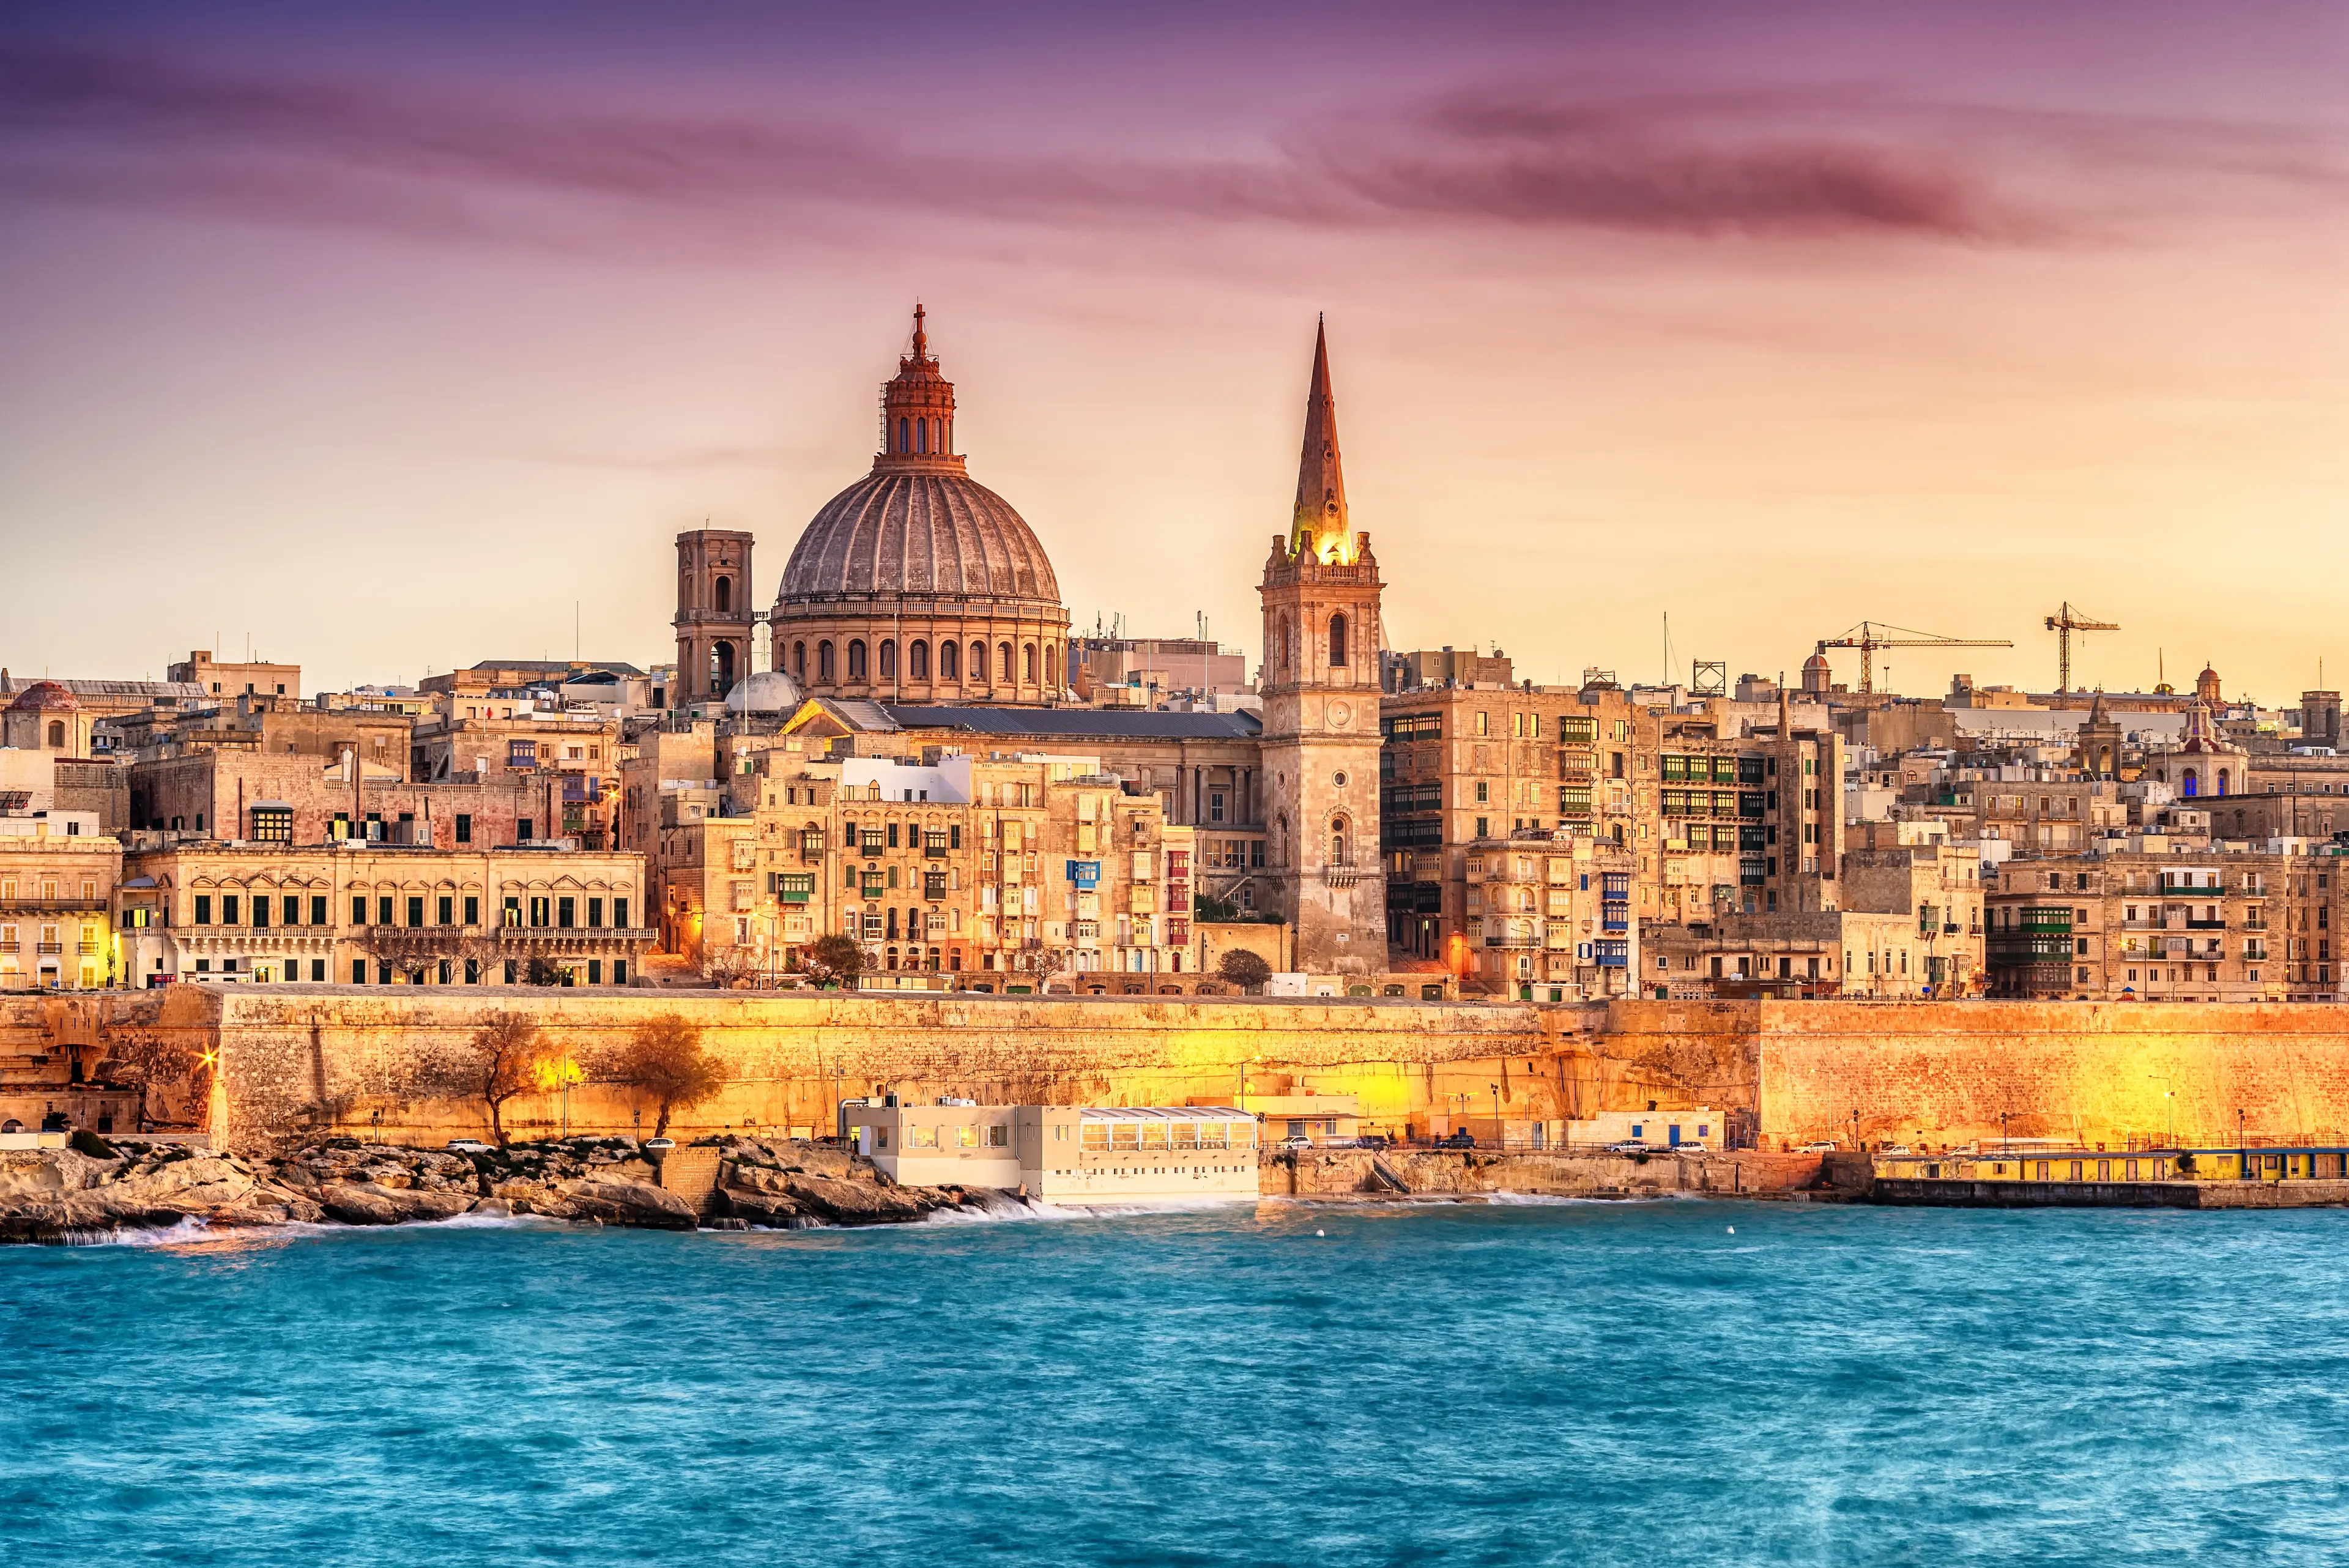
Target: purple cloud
{"x":131,"y":131}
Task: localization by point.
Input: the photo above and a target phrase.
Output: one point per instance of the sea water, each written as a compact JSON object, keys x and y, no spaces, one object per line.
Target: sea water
{"x":1286,"y":1384}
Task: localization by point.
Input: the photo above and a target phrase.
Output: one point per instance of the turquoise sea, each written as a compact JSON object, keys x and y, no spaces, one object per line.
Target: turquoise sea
{"x":1541,"y":1383}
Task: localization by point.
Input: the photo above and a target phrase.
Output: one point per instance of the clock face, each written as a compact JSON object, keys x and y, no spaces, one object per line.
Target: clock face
{"x":1339,"y":715}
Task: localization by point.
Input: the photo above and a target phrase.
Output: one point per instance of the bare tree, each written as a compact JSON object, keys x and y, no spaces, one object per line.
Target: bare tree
{"x":1040,"y":963}
{"x":508,"y":1052}
{"x":1244,"y":968}
{"x":665,"y":1058}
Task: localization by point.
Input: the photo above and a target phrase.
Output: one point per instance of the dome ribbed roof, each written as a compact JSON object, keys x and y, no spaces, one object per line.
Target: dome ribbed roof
{"x":45,"y":696}
{"x":919,"y":530}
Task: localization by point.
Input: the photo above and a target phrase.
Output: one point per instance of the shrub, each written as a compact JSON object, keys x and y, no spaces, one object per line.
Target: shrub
{"x":85,"y":1141}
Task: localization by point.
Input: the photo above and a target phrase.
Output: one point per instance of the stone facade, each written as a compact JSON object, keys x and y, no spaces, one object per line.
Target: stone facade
{"x":1321,"y":686}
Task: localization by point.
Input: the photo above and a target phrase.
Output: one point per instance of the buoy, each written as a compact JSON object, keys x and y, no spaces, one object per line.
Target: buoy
{"x":1321,"y":1232}
{"x":1732,"y":1230}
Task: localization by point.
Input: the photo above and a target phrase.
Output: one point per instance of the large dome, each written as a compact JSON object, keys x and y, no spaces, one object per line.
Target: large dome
{"x":924,"y":533}
{"x":918,"y":584}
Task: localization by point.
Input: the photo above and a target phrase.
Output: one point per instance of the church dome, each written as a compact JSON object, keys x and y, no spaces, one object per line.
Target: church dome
{"x":920,"y":533}
{"x":918,"y":584}
{"x":764,"y":692}
{"x":45,"y":696}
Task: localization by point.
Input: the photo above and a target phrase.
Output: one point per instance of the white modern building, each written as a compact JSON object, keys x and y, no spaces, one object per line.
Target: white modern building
{"x":1064,"y":1154}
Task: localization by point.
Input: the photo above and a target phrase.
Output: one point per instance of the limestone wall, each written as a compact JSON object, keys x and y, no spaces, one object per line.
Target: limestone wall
{"x":369,"y":1059}
{"x":365,"y":1059}
{"x":2097,"y":1071}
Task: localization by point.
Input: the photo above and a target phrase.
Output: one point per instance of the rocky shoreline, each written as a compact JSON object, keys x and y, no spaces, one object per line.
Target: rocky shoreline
{"x":105,"y":1188}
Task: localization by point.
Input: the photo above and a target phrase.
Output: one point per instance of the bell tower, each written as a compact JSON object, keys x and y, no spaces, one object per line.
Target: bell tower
{"x":713,"y":614}
{"x":1320,"y":691}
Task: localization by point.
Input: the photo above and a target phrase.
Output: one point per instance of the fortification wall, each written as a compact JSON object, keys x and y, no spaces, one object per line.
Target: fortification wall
{"x":2097,"y":1071}
{"x":376,"y":1060}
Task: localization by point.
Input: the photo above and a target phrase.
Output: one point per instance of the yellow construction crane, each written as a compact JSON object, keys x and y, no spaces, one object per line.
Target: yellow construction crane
{"x":2064,"y":625}
{"x":1868,"y":637}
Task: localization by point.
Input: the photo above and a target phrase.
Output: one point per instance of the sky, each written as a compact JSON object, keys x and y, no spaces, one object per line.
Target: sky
{"x":388,"y":341}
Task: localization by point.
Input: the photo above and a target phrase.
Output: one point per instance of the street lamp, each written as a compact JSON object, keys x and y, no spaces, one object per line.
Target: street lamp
{"x":1500,"y":1136}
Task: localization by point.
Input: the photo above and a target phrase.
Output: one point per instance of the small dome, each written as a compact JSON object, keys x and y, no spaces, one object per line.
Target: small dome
{"x":1816,"y":661}
{"x":765,"y":693}
{"x":45,"y":697}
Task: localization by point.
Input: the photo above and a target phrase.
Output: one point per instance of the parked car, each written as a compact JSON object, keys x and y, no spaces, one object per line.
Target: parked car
{"x":1825,"y":1148}
{"x":468,"y":1146}
{"x":1372,"y":1141}
{"x":1892,"y":1148}
{"x":1461,"y":1138}
{"x":1691,"y":1146}
{"x":1628,"y":1145}
{"x":1295,"y":1140}
{"x":659,"y":1145}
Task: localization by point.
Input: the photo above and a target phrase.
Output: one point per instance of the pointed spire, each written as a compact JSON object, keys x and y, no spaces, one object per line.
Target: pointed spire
{"x":1320,"y":526}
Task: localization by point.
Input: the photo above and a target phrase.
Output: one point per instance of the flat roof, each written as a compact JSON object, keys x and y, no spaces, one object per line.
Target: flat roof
{"x":1082,"y":723}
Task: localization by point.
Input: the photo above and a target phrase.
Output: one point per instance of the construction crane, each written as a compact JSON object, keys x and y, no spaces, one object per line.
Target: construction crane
{"x":2063,"y":623}
{"x":1868,"y":636}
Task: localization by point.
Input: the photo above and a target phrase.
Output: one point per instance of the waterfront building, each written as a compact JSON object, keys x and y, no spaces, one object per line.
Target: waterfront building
{"x":2148,"y":923}
{"x":1074,"y":1155}
{"x":370,"y":913}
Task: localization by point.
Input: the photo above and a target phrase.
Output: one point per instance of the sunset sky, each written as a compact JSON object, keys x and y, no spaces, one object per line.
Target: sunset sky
{"x":386,"y":340}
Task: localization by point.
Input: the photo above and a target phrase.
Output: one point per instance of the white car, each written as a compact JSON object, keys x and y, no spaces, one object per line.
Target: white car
{"x":1295,"y":1140}
{"x":1817,"y":1149}
{"x":468,"y":1146}
{"x":1691,"y":1146}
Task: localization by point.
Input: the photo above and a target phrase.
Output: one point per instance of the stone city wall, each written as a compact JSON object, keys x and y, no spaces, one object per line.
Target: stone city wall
{"x":373,"y":1061}
{"x":2093,"y":1072}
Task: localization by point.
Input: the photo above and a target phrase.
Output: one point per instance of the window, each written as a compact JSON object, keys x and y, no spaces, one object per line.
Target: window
{"x":318,"y":913}
{"x":949,"y":660}
{"x":620,"y":918}
{"x":260,"y":912}
{"x":1003,"y":664}
{"x":566,"y":913}
{"x":823,"y":663}
{"x":358,"y":971}
{"x":383,"y":910}
{"x":888,"y":658}
{"x":473,"y":909}
{"x":464,"y":827}
{"x":595,"y":914}
{"x":414,"y":913}
{"x":541,"y":911}
{"x":228,"y":908}
{"x":856,"y":658}
{"x":978,"y":662}
{"x":203,"y":908}
{"x":917,"y":660}
{"x":273,"y":824}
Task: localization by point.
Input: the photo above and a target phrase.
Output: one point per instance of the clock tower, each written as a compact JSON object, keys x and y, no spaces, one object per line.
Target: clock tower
{"x":1320,"y":685}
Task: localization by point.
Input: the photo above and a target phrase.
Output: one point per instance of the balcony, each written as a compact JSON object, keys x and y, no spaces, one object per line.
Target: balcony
{"x":59,"y":906}
{"x":47,"y":948}
{"x":2206,"y":925}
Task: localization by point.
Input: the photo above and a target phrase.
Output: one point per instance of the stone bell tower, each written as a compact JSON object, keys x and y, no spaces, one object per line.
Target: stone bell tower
{"x":713,"y":614}
{"x":1320,"y":691}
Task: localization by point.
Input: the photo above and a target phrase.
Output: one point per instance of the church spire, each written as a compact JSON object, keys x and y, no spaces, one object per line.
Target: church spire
{"x":1320,"y":526}
{"x":917,"y":409}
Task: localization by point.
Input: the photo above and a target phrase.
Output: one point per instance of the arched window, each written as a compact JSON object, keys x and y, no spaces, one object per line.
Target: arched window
{"x":917,"y":660}
{"x":1052,"y":667}
{"x":888,"y":658}
{"x":904,"y":436}
{"x":1337,"y":639}
{"x":856,"y":658}
{"x":2191,"y":784}
{"x":684,"y":589}
{"x":721,"y":667}
{"x":58,"y":733}
{"x":937,"y":435}
{"x":1027,"y":663}
{"x":922,"y":435}
{"x":721,"y":593}
{"x":978,"y":662}
{"x":1339,"y":851}
{"x":1003,"y":664}
{"x":799,"y":659}
{"x":949,"y":662}
{"x":2223,"y":781}
{"x":823,"y":663}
